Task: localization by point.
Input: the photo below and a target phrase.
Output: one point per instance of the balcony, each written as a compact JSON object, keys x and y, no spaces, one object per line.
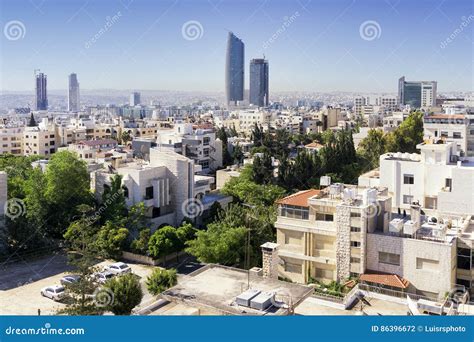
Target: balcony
{"x":307,"y":226}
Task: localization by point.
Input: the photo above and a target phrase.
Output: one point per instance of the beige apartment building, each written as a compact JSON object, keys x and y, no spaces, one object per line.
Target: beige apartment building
{"x":343,"y":232}
{"x":11,"y":141}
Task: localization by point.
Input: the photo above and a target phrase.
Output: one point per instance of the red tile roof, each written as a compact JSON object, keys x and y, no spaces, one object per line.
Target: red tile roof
{"x":385,"y":279}
{"x":299,"y":199}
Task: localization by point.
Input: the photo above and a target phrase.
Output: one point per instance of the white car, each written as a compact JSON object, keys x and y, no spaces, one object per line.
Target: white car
{"x":55,"y":292}
{"x":119,"y":268}
{"x":102,"y":277}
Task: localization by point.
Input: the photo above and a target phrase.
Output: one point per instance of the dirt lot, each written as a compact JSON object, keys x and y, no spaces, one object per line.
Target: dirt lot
{"x":21,"y":283}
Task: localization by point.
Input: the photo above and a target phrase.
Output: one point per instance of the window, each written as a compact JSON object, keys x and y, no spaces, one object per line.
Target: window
{"x":426,"y":264}
{"x":444,"y":134}
{"x":293,"y":211}
{"x":206,"y":140}
{"x":204,"y":164}
{"x":408,"y":179}
{"x":354,"y":214}
{"x":355,"y":260}
{"x":389,"y":258}
{"x":355,"y":229}
{"x":292,"y":268}
{"x":456,"y":135}
{"x":206,"y":152}
{"x":407,"y":199}
{"x":125,"y":191}
{"x":149,"y":193}
{"x":326,"y":274}
{"x":324,"y":217}
{"x":155,"y":212}
{"x":355,"y":244}
{"x":464,"y":258}
{"x":448,"y":183}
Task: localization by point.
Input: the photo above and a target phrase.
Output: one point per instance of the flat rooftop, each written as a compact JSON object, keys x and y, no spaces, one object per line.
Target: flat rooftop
{"x":216,"y":287}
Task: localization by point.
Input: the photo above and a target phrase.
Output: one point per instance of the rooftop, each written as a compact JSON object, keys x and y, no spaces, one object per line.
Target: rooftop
{"x":216,"y":287}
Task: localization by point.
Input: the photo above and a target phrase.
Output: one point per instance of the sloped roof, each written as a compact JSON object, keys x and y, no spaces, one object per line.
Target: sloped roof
{"x":385,"y":279}
{"x":299,"y":199}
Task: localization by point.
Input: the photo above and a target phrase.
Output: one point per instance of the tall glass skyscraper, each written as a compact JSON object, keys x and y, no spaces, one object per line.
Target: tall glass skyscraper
{"x":417,"y":94}
{"x":73,"y":101}
{"x":234,"y":69}
{"x":258,"y":93}
{"x":41,"y":94}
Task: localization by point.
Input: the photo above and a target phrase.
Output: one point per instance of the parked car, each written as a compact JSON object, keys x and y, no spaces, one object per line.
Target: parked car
{"x":119,"y":268}
{"x":55,"y":292}
{"x":102,"y":277}
{"x":70,"y":279}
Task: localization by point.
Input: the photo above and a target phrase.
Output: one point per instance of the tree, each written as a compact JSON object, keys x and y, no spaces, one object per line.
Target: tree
{"x":32,"y":122}
{"x":372,"y":147}
{"x":67,"y":187}
{"x":113,"y":201}
{"x":140,"y":245}
{"x":409,"y":134}
{"x":110,"y":240}
{"x":257,"y":135}
{"x":244,"y":189}
{"x":125,"y":137}
{"x":222,"y":135}
{"x":127,"y":293}
{"x":80,"y":236}
{"x":161,"y":280}
{"x":262,"y":169}
{"x":237,"y":155}
{"x":219,"y":244}
{"x":163,"y":242}
{"x":185,"y":232}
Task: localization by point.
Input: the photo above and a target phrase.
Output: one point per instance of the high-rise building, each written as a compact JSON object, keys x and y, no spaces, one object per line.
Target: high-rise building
{"x":41,"y":95}
{"x":258,"y":94}
{"x":234,"y":69}
{"x":134,"y":99}
{"x":73,"y":101}
{"x":417,"y":94}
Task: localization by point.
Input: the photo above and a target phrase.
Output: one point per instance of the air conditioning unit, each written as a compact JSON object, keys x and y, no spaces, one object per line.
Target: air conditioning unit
{"x":395,"y":226}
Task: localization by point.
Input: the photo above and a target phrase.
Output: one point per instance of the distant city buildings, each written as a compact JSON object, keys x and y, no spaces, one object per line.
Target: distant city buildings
{"x":73,"y":99}
{"x":41,"y":94}
{"x":258,"y":93}
{"x":135,"y":99}
{"x":417,"y":94}
{"x":234,"y":70}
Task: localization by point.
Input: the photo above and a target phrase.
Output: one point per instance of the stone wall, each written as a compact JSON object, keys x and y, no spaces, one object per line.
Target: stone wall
{"x":343,"y":242}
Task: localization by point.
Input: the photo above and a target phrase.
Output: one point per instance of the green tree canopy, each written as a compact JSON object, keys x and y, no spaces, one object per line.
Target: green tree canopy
{"x":161,"y":280}
{"x":127,"y":293}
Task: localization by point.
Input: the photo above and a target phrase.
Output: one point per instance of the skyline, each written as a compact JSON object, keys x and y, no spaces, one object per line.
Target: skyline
{"x":160,"y":52}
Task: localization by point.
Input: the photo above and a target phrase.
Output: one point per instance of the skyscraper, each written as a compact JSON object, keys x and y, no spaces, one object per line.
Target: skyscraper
{"x":234,"y":69}
{"x":258,"y":93}
{"x":135,"y":99}
{"x":417,"y":94}
{"x":41,"y":94}
{"x":73,"y":101}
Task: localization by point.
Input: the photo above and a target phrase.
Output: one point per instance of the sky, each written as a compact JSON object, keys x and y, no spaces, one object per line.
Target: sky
{"x":312,"y":45}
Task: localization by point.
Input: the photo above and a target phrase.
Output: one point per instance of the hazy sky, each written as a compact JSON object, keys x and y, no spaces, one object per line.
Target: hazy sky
{"x":321,"y":48}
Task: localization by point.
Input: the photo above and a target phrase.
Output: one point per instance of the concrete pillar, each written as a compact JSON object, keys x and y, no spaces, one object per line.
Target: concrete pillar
{"x":270,"y":260}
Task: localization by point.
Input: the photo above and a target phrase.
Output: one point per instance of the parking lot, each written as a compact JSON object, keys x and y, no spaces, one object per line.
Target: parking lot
{"x":21,"y":283}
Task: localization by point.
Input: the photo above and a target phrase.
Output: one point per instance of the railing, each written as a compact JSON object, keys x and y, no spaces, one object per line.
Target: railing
{"x":393,"y":293}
